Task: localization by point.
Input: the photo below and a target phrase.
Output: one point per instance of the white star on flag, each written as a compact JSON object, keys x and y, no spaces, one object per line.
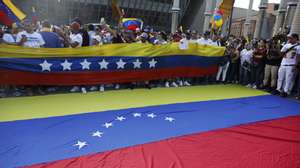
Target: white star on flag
{"x":152,"y":63}
{"x":107,"y":125}
{"x":46,"y":66}
{"x":85,"y":64}
{"x":121,"y":64}
{"x":170,"y":119}
{"x":120,"y":118}
{"x":103,"y":64}
{"x":66,"y":65}
{"x":151,"y":115}
{"x":80,"y":144}
{"x":97,"y":134}
{"x":137,"y":64}
{"x":137,"y":115}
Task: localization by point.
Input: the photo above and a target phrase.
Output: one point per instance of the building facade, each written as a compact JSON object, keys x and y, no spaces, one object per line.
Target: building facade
{"x":155,"y":13}
{"x":239,"y":18}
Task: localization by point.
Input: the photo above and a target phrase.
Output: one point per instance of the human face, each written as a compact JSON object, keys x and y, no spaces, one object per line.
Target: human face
{"x":28,"y":28}
{"x":291,"y":40}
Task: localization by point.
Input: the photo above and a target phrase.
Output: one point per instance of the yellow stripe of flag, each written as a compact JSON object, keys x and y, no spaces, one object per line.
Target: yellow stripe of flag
{"x":14,"y":9}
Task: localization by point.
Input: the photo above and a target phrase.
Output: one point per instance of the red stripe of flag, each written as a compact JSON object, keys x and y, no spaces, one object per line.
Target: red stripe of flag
{"x":268,"y":144}
{"x":12,"y":77}
{"x":4,"y":19}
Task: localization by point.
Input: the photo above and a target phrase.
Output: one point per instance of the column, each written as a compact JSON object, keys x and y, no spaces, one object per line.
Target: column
{"x":175,"y":15}
{"x":280,"y":17}
{"x":292,"y":5}
{"x":296,"y":21}
{"x":208,"y":13}
{"x":261,"y":17}
{"x":248,"y":21}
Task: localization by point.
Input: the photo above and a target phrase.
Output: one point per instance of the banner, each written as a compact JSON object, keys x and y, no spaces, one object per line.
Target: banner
{"x":115,"y":63}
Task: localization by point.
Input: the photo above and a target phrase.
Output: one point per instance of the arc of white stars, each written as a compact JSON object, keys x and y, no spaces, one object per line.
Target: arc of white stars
{"x":80,"y":144}
{"x":121,"y":64}
{"x":151,"y":115}
{"x":152,"y":63}
{"x":170,"y":119}
{"x":97,"y":134}
{"x":103,"y":64}
{"x":46,"y":66}
{"x":66,"y":65}
{"x":85,"y":64}
{"x":121,"y":118}
{"x":107,"y":125}
{"x":137,"y":64}
{"x":137,"y":115}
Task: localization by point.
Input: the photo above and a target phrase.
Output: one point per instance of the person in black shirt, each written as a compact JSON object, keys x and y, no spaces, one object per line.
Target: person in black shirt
{"x":272,"y":60}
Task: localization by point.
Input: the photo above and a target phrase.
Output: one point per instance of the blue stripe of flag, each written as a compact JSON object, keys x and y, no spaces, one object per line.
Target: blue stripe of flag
{"x":33,"y":64}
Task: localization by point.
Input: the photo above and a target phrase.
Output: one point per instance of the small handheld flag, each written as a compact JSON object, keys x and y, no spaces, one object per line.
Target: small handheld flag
{"x":132,"y":23}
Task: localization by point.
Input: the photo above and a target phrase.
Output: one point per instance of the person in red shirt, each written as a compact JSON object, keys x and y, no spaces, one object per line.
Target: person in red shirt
{"x":257,"y":68}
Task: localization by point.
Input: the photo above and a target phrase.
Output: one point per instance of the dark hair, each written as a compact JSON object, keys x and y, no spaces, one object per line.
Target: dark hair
{"x":91,"y":27}
{"x":77,"y":20}
{"x":295,"y":36}
{"x":46,"y":23}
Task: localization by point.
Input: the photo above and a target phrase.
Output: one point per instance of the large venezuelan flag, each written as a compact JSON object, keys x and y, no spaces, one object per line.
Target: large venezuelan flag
{"x":9,"y":13}
{"x":223,"y":126}
{"x":115,"y":63}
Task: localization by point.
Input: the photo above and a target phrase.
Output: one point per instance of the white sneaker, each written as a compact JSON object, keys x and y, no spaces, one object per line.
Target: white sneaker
{"x":249,"y":86}
{"x":174,"y":84}
{"x":186,"y":83}
{"x":101,"y":88}
{"x":180,"y":83}
{"x":75,"y":89}
{"x":93,"y":88}
{"x":254,"y":87}
{"x":83,"y":90}
{"x":117,"y":86}
{"x":167,"y":84}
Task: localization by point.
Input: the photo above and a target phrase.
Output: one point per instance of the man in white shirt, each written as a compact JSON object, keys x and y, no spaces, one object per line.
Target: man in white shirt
{"x":287,"y":70}
{"x":205,"y":40}
{"x":29,"y":38}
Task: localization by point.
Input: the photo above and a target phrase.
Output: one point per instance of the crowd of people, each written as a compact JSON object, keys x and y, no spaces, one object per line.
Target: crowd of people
{"x":268,"y":64}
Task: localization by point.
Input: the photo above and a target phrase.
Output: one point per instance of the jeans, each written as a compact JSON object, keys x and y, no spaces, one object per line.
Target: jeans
{"x":222,"y":72}
{"x":245,"y":75}
{"x":257,"y":74}
{"x":233,"y":74}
